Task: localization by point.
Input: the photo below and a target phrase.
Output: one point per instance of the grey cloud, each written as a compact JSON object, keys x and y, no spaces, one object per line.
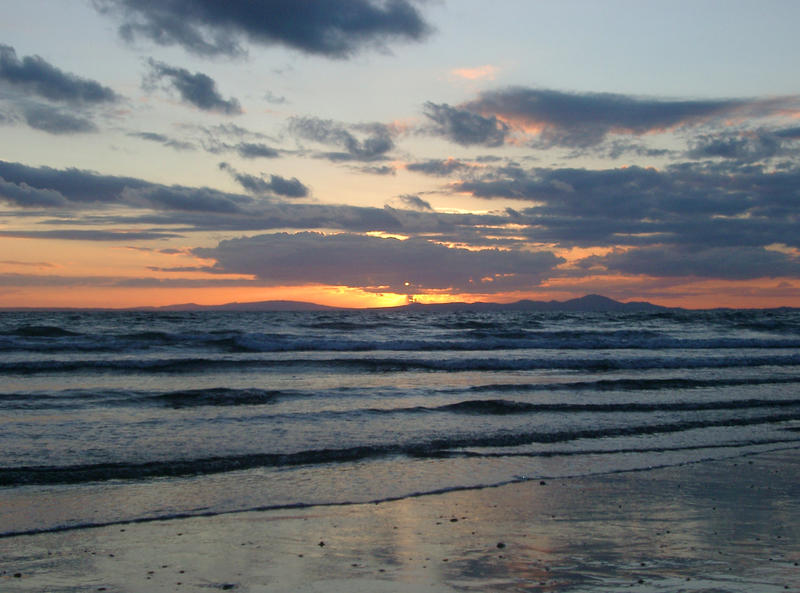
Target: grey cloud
{"x":178,"y":269}
{"x":583,"y":120}
{"x":76,"y":186}
{"x":686,"y":203}
{"x":91,"y":235}
{"x":438,"y":167}
{"x":632,"y":192}
{"x":415,"y":203}
{"x":466,"y":127}
{"x":331,"y":28}
{"x":277,"y":185}
{"x":162,"y":139}
{"x":617,"y":148}
{"x":731,"y":263}
{"x":790,"y":133}
{"x":232,"y":138}
{"x":77,"y":189}
{"x":112,"y":281}
{"x":374,"y":146}
{"x":26,"y":264}
{"x":290,"y":188}
{"x":36,"y":76}
{"x":254,"y":150}
{"x":379,"y":170}
{"x":230,"y":131}
{"x":196,"y":89}
{"x":88,"y":198}
{"x":271,"y":97}
{"x":30,"y":197}
{"x":271,"y":215}
{"x":186,"y":199}
{"x":56,"y":121}
{"x":745,"y":146}
{"x":412,"y":266}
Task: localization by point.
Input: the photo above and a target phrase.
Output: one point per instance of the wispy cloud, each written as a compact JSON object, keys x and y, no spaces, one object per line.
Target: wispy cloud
{"x":486,"y":72}
{"x":275,"y":185}
{"x":374,"y":144}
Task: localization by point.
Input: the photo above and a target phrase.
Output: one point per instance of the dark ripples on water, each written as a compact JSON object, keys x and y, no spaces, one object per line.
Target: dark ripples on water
{"x":271,"y":409}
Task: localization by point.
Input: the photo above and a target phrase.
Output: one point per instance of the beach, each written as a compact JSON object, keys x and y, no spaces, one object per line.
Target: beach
{"x":720,"y":525}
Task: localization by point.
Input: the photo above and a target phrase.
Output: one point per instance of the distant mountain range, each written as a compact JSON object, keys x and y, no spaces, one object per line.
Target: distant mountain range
{"x":591,"y":302}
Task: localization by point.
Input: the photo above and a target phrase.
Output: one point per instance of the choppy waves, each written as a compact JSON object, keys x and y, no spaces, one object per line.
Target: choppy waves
{"x":275,"y":405}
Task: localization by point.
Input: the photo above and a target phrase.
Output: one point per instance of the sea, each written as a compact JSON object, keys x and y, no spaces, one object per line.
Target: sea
{"x":112,"y":418}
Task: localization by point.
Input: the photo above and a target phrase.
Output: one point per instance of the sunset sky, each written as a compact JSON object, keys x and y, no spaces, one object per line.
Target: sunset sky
{"x":365,"y":152}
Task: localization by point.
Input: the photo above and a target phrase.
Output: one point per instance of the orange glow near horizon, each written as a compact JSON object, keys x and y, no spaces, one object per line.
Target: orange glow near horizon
{"x":125,"y":297}
{"x":53,"y":274}
{"x":695,"y":294}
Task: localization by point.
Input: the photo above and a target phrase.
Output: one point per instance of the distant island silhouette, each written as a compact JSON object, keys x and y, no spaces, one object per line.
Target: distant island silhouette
{"x":590,"y":302}
{"x":587,"y":303}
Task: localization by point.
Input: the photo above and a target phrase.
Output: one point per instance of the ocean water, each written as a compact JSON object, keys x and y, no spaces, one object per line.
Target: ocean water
{"x":116,"y":417}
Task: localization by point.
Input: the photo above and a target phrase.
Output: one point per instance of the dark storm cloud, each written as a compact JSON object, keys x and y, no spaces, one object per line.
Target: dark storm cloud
{"x":438,"y":167}
{"x":55,"y":120}
{"x":277,"y":185}
{"x":730,"y":263}
{"x":371,"y":263}
{"x":374,"y":146}
{"x":465,"y":127}
{"x":331,"y":28}
{"x":196,"y":89}
{"x":165,"y":140}
{"x":35,"y":76}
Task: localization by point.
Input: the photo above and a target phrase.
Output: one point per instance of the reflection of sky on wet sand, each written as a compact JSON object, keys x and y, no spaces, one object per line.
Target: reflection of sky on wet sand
{"x":727,"y":526}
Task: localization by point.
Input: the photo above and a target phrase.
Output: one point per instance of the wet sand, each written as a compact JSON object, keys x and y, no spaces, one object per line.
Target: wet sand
{"x":730,"y":525}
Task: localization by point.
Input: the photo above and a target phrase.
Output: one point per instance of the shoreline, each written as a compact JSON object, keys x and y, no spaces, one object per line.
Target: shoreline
{"x":728,"y":525}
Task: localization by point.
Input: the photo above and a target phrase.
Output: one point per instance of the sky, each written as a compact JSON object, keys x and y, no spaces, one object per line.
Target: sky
{"x":367,"y":153}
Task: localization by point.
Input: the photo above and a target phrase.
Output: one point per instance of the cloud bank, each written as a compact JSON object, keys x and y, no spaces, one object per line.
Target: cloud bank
{"x":379,"y":265}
